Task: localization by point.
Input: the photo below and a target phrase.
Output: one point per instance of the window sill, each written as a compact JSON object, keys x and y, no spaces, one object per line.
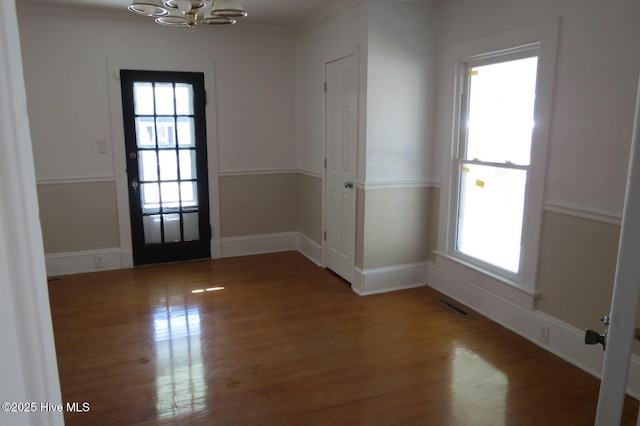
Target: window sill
{"x":488,"y":281}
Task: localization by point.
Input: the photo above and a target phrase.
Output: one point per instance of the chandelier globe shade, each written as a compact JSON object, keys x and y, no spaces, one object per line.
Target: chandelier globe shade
{"x":153,"y":8}
{"x":228,"y":9}
{"x":174,"y":18}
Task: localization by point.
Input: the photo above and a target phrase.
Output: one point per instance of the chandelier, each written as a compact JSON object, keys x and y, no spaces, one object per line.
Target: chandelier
{"x":187,"y":13}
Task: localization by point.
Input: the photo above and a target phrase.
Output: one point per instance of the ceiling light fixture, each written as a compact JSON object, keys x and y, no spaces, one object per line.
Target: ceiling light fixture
{"x":187,"y":13}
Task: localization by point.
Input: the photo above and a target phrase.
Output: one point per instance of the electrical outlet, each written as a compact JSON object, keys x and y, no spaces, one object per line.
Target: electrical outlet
{"x":99,"y":262}
{"x":102,"y":147}
{"x":543,"y":334}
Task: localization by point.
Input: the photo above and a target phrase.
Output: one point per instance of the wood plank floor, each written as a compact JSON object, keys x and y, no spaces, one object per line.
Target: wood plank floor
{"x":288,"y":343}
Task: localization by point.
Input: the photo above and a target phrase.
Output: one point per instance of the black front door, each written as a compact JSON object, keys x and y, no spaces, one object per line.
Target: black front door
{"x":166,"y":145}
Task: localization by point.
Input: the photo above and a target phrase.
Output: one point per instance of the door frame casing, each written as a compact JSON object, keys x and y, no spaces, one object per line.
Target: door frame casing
{"x":114,"y":65}
{"x":360,"y":131}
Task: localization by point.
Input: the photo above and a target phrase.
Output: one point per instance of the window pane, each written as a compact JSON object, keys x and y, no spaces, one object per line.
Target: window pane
{"x":164,"y":99}
{"x":165,"y":127}
{"x":170,"y":194}
{"x":148,"y":166}
{"x":184,"y":99}
{"x":187,"y":164}
{"x":490,"y":214}
{"x":150,"y":197}
{"x":190,"y":224}
{"x":171,"y":228}
{"x":500,"y":117}
{"x":168,"y":165}
{"x":145,"y":132}
{"x":189,"y":194}
{"x":143,"y":98}
{"x":186,"y":132}
{"x":152,"y":233}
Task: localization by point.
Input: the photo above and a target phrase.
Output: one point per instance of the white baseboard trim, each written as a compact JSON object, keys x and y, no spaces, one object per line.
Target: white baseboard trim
{"x":564,"y":340}
{"x":392,"y":278}
{"x":83,"y":261}
{"x":258,"y":244}
{"x":309,"y":248}
{"x":116,"y":258}
{"x":216,"y":249}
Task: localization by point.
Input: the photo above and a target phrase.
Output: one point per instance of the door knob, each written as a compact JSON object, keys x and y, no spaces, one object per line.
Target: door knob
{"x":348,"y":184}
{"x":592,"y":337}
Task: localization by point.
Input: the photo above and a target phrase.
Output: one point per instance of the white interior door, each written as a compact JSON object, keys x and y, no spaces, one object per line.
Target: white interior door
{"x":341,"y":140}
{"x":625,"y":296}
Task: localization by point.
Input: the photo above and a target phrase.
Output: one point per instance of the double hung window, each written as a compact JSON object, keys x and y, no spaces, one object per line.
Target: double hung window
{"x":496,"y":122}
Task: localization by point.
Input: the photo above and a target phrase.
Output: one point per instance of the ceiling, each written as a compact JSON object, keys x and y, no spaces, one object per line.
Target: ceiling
{"x":265,"y":12}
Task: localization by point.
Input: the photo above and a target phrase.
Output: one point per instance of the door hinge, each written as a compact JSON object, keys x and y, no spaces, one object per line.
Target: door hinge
{"x":324,"y":237}
{"x":210,"y":232}
{"x":325,"y":163}
{"x":325,"y":87}
{"x":206,"y":100}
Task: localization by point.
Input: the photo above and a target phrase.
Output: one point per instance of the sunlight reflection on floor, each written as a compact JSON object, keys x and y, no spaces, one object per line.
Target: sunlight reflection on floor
{"x":180,"y":381}
{"x":478,"y":389}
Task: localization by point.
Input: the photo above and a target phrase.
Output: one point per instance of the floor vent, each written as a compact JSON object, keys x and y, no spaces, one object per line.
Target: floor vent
{"x":453,"y":307}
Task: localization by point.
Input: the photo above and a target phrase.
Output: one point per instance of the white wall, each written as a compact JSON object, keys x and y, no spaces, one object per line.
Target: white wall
{"x":314,"y":47}
{"x":596,"y":78}
{"x":66,"y":75}
{"x":400,"y":92}
{"x":28,"y":370}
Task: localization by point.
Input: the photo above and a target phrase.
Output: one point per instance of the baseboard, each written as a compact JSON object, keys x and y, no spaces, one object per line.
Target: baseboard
{"x":83,"y":261}
{"x":564,"y":340}
{"x":309,"y":248}
{"x":258,"y":244}
{"x":115,"y":258}
{"x":216,"y":249}
{"x":392,"y":278}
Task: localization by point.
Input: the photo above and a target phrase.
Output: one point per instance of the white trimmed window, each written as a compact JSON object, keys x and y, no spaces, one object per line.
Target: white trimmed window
{"x":498,"y":98}
{"x":495,"y":128}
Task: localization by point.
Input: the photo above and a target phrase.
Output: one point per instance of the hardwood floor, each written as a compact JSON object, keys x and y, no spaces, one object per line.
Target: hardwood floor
{"x":288,"y":343}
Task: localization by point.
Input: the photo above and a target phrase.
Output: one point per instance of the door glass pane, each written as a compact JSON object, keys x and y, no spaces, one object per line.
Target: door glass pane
{"x":145,"y":132}
{"x":170,"y":195}
{"x":148,"y":166}
{"x":171,"y":228}
{"x":491,"y":213}
{"x":152,"y":234}
{"x":150,"y":197}
{"x":189,"y":192}
{"x":187,"y":164}
{"x":164,"y":99}
{"x":184,"y":99}
{"x":191,"y":226}
{"x":165,"y":128}
{"x":168,"y":165}
{"x":500,"y":115}
{"x":143,"y":98}
{"x":186,"y":132}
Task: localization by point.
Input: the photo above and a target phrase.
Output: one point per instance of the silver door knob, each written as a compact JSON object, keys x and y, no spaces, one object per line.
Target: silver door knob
{"x":348,"y":184}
